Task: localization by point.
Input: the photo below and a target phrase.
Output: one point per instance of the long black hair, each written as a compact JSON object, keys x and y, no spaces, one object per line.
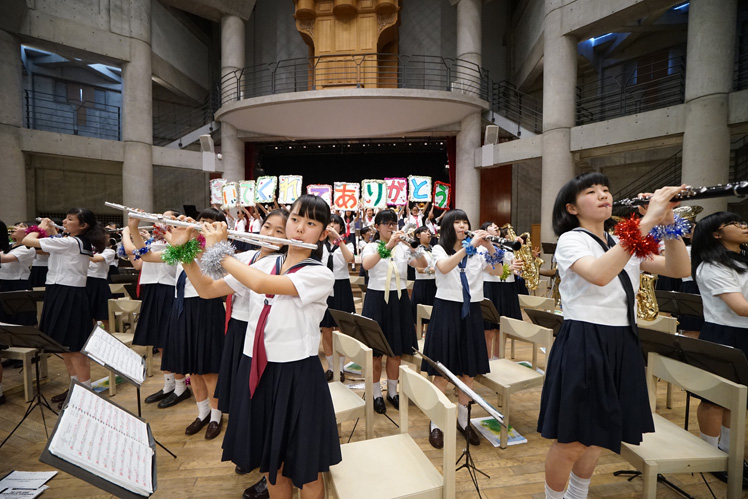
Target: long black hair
{"x":563,"y":221}
{"x":4,"y":240}
{"x":317,"y":209}
{"x":706,"y":248}
{"x":383,"y":217}
{"x":447,"y":234}
{"x":94,"y":233}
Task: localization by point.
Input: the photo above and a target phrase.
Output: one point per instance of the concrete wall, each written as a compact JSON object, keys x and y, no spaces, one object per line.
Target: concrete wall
{"x":271,"y":34}
{"x":174,"y":187}
{"x":526,"y":192}
{"x":428,"y":27}
{"x":494,"y":51}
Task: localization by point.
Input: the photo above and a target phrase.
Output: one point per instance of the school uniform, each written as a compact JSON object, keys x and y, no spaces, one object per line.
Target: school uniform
{"x":38,"y":277}
{"x":97,"y":285}
{"x":424,"y":287}
{"x":342,"y":297}
{"x":14,"y":276}
{"x":595,"y":390}
{"x":236,"y":330}
{"x":156,"y":285}
{"x":456,"y":338}
{"x":66,"y":315}
{"x":503,"y":294}
{"x":113,"y":267}
{"x":195,"y":336}
{"x":290,"y":418}
{"x":394,"y":315}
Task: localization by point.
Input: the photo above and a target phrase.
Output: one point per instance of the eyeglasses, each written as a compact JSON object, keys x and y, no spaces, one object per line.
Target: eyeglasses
{"x":389,"y":224}
{"x":739,"y":225}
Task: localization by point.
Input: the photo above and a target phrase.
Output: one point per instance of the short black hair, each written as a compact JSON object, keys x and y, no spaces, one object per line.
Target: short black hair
{"x":447,"y":234}
{"x":212,"y":214}
{"x":317,"y":209}
{"x":563,"y":221}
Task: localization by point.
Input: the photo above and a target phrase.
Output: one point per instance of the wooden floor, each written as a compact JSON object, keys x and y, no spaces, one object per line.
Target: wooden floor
{"x":199,"y":472}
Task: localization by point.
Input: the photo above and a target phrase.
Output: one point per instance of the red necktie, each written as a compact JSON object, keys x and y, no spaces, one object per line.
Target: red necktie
{"x":137,"y":289}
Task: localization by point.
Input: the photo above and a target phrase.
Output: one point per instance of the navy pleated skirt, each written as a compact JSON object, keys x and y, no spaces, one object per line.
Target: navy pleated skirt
{"x":290,"y":420}
{"x":38,"y":277}
{"x":424,"y":292}
{"x":595,"y":389}
{"x":233,"y":350}
{"x":98,"y":298}
{"x":690,"y":322}
{"x":22,"y":318}
{"x":665,"y":283}
{"x":194,"y":342}
{"x":66,"y":316}
{"x":521,"y":286}
{"x":155,"y":311}
{"x":342,"y":300}
{"x":505,"y":298}
{"x":457,"y":343}
{"x":395,"y":318}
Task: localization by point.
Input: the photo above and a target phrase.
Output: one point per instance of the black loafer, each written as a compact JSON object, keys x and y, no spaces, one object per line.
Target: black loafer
{"x":3,"y":399}
{"x":257,"y":491}
{"x":436,"y":438}
{"x":240,"y":471}
{"x":379,"y":407}
{"x":196,"y":425}
{"x":472,"y":436}
{"x":173,"y":399}
{"x":328,"y":375}
{"x":342,"y":376}
{"x":157,"y":397}
{"x":214,"y":429}
{"x":60,"y":397}
{"x":395,"y":401}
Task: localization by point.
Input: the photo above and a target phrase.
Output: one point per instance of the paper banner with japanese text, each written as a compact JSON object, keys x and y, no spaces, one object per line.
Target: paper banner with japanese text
{"x":230,"y":195}
{"x":322,"y":190}
{"x":216,"y":190}
{"x":345,"y":196}
{"x":397,"y":191}
{"x":289,"y":188}
{"x":442,"y":193}
{"x":419,"y":189}
{"x":374,"y":194}
{"x":265,"y":189}
{"x":247,"y":193}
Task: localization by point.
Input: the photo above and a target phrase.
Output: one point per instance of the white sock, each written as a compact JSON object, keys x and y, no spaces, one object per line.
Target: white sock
{"x":180,"y":385}
{"x":377,"y":390}
{"x":168,"y":383}
{"x":724,"y":439}
{"x":203,"y":409}
{"x":86,"y":383}
{"x":552,"y":494}
{"x":578,"y":487}
{"x":391,"y":388}
{"x":342,"y":362}
{"x":462,"y":415}
{"x":329,"y":362}
{"x":74,"y":378}
{"x":714,"y":441}
{"x":433,"y":426}
{"x":215,"y":415}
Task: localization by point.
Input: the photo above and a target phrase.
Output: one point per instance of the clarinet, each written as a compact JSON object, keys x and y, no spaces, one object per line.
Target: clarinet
{"x":507,"y":244}
{"x":739,"y":188}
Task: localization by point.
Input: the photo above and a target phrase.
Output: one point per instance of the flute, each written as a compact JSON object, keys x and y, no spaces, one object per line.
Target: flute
{"x":739,"y":188}
{"x":58,"y":227}
{"x":506,"y":244}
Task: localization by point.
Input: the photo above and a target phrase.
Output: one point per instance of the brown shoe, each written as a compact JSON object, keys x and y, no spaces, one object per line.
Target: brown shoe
{"x":214,"y":429}
{"x":472,"y":436}
{"x":436,"y":438}
{"x":342,"y":376}
{"x":197,"y":425}
{"x":328,"y":375}
{"x":60,"y":397}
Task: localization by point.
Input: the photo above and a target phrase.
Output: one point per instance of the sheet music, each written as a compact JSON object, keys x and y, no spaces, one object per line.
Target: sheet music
{"x":105,"y":440}
{"x":104,"y":348}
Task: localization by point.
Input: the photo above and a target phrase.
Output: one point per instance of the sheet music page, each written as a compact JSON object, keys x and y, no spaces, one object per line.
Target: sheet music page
{"x":106,"y":349}
{"x":105,"y":440}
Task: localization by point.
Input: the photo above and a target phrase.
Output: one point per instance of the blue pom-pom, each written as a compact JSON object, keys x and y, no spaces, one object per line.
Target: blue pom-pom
{"x":494,"y":259}
{"x":469,"y":248}
{"x":679,"y":228}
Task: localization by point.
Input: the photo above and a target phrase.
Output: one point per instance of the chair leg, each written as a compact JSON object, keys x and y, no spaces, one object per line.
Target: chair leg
{"x":505,"y":426}
{"x":112,"y":383}
{"x":28,"y":379}
{"x":669,"y":396}
{"x":149,"y":360}
{"x":649,"y":474}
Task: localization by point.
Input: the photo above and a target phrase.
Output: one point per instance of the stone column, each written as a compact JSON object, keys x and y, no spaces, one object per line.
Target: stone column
{"x":706,"y":138}
{"x":232,"y":58}
{"x":467,"y":176}
{"x":137,"y":113}
{"x":559,"y":82}
{"x":13,"y":186}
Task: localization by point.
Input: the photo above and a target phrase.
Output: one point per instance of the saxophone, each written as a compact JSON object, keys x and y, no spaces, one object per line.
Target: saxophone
{"x":530,"y":265}
{"x":647,"y":306}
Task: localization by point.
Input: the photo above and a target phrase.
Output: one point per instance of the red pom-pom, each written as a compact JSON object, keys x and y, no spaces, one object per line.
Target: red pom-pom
{"x":631,"y":238}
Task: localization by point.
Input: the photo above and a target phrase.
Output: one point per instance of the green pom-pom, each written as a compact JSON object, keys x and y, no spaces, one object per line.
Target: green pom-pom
{"x":384,"y":253}
{"x":186,"y":253}
{"x":505,"y":275}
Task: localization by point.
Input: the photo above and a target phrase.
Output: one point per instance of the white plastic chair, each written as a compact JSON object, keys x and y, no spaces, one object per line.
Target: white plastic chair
{"x":346,"y":403}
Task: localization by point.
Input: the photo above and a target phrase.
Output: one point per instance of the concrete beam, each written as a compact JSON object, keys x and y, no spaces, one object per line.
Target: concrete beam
{"x":59,"y":144}
{"x":169,"y":77}
{"x":587,"y":18}
{"x":177,"y":158}
{"x":507,"y":153}
{"x":214,"y":10}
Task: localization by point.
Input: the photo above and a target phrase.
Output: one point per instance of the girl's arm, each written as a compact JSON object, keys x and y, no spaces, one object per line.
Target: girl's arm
{"x":97,"y":258}
{"x":8,"y":257}
{"x":129,"y":247}
{"x":32,"y":239}
{"x":445,"y":265}
{"x":736,"y":302}
{"x":138,"y":243}
{"x":420,"y":262}
{"x":347,"y":253}
{"x":205,"y":286}
{"x":676,"y":262}
{"x":369,"y":261}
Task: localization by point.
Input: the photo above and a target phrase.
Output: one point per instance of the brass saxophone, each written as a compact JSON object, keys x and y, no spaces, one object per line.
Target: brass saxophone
{"x":530,"y":265}
{"x":647,"y":306}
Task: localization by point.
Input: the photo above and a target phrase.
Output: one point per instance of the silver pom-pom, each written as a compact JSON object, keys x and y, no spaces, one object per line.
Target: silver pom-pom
{"x":210,"y":261}
{"x":416,"y":254}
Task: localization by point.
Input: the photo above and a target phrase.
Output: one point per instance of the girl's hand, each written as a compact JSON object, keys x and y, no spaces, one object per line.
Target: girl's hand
{"x":180,"y":235}
{"x":132,"y":224}
{"x":516,"y":265}
{"x":47,"y":226}
{"x":479,"y":239}
{"x":660,"y":209}
{"x":332,"y":232}
{"x":215,"y":233}
{"x":395,"y":239}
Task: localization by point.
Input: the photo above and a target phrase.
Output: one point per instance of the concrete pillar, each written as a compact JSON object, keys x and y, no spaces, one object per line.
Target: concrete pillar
{"x":13,"y":186}
{"x":706,"y":137}
{"x":559,"y":82}
{"x":137,"y":113}
{"x":467,"y":176}
{"x":232,"y":58}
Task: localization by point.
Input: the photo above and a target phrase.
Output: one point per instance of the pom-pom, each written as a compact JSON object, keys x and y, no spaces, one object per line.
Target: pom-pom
{"x":631,"y":239}
{"x":417,"y":253}
{"x":679,"y":228}
{"x":138,"y":252}
{"x":35,"y":228}
{"x":507,"y":272}
{"x":185,"y":253}
{"x":384,"y":253}
{"x":497,"y":257}
{"x":210,"y":262}
{"x":469,"y":248}
{"x":159,"y":231}
{"x":121,"y":251}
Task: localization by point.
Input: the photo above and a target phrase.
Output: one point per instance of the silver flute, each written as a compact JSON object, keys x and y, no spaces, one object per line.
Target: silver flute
{"x":58,"y":227}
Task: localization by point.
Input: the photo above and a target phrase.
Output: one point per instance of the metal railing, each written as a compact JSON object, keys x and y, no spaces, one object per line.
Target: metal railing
{"x":740,"y":72}
{"x":523,"y":109}
{"x":667,"y":172}
{"x":356,"y":71}
{"x":650,"y":86}
{"x":181,"y":120}
{"x":44,"y":111}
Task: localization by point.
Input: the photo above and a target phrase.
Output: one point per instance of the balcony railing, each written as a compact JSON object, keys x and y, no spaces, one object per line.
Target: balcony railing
{"x":667,"y":172}
{"x":180,"y":120}
{"x":43,"y":111}
{"x":356,"y":71}
{"x":523,"y":109}
{"x":651,"y":86}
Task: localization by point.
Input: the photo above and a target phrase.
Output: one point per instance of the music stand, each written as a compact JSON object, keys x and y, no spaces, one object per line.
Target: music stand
{"x":489,"y":312}
{"x":16,"y":302}
{"x":545,"y":319}
{"x":549,"y":248}
{"x":30,"y":337}
{"x":677,"y":303}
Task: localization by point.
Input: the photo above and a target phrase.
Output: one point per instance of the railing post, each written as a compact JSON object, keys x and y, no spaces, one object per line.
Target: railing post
{"x":28,"y":113}
{"x":119,"y":126}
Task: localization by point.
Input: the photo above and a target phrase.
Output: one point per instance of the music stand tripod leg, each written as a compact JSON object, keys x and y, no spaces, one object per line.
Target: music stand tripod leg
{"x":137,"y":392}
{"x":469,"y":463}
